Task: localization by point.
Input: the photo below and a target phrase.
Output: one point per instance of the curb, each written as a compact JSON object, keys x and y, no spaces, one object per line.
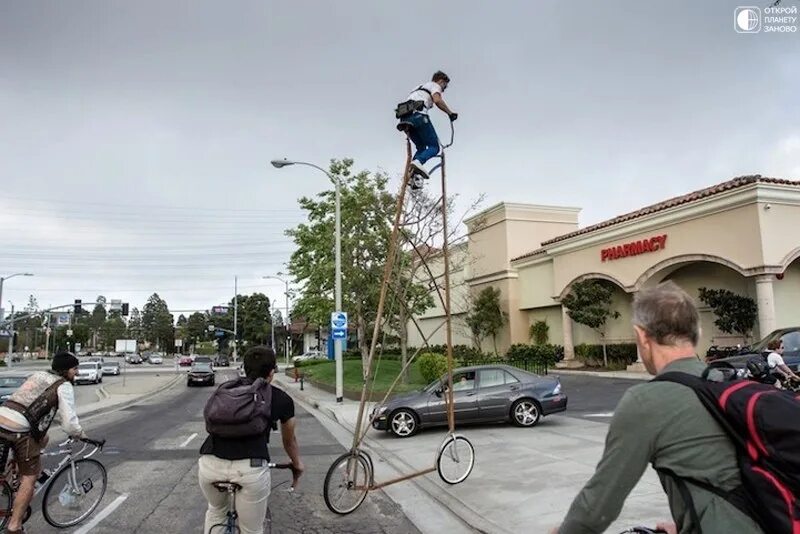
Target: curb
{"x":459,"y":509}
{"x":122,"y":405}
{"x":602,"y":374}
{"x":102,"y":393}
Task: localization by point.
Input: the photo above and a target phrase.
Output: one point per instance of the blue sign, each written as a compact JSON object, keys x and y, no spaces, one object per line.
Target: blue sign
{"x":219,"y":333}
{"x":339,"y":325}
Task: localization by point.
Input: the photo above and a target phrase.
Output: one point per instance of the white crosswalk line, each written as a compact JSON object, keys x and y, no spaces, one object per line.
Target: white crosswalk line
{"x":188,"y":440}
{"x":102,"y":515}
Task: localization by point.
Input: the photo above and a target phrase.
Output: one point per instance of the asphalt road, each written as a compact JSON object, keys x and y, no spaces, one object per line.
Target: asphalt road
{"x":593,"y":398}
{"x":151,"y":457}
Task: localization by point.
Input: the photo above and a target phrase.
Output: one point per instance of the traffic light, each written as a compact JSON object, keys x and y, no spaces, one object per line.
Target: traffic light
{"x":78,"y":307}
{"x":124,"y":309}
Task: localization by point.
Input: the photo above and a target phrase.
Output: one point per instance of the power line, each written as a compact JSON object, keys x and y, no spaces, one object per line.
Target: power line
{"x":149,"y":206}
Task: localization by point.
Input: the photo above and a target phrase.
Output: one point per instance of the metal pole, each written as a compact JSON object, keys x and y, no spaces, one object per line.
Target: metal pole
{"x":235,"y":316}
{"x":2,"y":313}
{"x":272,"y":332}
{"x":288,"y":324}
{"x":337,"y":345}
{"x":11,"y":340}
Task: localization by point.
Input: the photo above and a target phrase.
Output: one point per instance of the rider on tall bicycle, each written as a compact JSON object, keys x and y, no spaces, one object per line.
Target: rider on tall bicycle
{"x":25,"y":419}
{"x":245,"y":460}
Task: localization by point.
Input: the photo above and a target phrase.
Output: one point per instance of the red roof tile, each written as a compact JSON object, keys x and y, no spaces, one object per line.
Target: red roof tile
{"x":740,"y":181}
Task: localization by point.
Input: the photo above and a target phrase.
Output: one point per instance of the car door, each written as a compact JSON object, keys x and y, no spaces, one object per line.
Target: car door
{"x":495,"y":390}
{"x":464,"y":400}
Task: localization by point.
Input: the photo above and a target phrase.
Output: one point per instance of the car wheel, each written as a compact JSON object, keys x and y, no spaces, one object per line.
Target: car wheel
{"x":526,"y":412}
{"x":403,"y":423}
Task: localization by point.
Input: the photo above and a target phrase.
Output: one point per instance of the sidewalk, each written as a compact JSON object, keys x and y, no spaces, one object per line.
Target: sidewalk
{"x":603,"y":374}
{"x":524,"y":479}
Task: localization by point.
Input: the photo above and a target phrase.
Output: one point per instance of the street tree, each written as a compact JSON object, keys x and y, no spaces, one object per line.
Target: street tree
{"x":196,"y":328}
{"x":157,"y":322}
{"x":486,"y":318}
{"x":135,"y":329}
{"x":589,"y":303}
{"x":734,"y":313}
{"x":112,"y":330}
{"x":367,"y":210}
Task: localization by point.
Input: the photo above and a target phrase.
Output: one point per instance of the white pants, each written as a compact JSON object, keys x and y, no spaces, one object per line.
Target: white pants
{"x":251,"y":500}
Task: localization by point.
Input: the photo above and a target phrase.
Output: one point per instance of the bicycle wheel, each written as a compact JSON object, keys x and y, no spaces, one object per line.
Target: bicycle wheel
{"x":6,"y":503}
{"x":347,"y":483}
{"x":456,"y":459}
{"x":67,"y":502}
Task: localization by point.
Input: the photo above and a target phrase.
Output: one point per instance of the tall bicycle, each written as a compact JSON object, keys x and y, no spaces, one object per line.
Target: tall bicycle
{"x":71,"y":493}
{"x":351,"y":476}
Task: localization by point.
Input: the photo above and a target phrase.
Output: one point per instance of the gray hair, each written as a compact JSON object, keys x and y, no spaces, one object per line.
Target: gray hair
{"x":667,"y":314}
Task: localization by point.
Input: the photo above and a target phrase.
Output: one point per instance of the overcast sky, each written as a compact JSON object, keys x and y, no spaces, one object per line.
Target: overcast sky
{"x":135,"y":136}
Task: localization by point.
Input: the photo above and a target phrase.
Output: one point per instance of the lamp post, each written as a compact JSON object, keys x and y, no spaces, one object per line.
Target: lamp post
{"x":3,"y":279}
{"x":286,"y":319}
{"x":337,"y":346}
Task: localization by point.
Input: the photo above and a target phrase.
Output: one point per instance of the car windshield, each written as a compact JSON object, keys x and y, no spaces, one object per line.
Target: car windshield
{"x":87,"y":365}
{"x":111,"y":364}
{"x":791,"y":341}
{"x":201,"y":367}
{"x":11,"y":381}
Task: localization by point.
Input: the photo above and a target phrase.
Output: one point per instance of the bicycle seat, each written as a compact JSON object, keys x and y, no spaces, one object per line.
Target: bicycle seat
{"x":225,"y":486}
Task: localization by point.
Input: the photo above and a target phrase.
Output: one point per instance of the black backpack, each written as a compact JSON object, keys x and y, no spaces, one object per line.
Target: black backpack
{"x":239,"y":408}
{"x":404,"y":109}
{"x":764,"y":424}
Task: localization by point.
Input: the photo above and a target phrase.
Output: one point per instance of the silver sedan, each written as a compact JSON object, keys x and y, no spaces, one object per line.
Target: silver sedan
{"x":481,"y":394}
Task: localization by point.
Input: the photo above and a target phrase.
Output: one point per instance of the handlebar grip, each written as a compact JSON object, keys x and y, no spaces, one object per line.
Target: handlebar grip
{"x":94,"y":442}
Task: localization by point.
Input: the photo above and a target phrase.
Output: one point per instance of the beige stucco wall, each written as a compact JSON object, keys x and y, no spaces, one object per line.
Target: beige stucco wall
{"x":779,"y":226}
{"x":787,"y":297}
{"x":721,"y":235}
{"x":552,"y":316}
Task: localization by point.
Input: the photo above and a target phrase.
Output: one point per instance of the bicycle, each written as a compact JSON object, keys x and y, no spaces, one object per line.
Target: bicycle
{"x":69,"y":483}
{"x":643,"y":530}
{"x":231,"y":517}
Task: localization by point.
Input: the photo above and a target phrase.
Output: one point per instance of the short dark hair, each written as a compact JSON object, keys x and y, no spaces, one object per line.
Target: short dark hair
{"x":259,"y":362}
{"x":440,"y":76}
{"x":775,"y":344}
{"x":668,"y":314}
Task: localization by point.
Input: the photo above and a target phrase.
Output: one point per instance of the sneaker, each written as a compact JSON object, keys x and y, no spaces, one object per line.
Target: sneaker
{"x":419,"y":169}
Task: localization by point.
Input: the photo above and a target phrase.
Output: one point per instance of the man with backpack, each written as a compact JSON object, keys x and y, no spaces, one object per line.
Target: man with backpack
{"x":414,"y":120}
{"x":25,"y":419}
{"x":664,"y":424}
{"x":239,"y":416}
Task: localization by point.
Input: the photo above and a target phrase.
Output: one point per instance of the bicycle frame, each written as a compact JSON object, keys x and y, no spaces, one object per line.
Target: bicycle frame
{"x":69,"y":457}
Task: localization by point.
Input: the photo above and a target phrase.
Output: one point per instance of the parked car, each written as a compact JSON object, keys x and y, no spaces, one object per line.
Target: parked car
{"x":310,"y":355}
{"x":133,"y":359}
{"x":185,"y":361}
{"x":94,"y":359}
{"x":89,"y":372}
{"x":146,"y":356}
{"x":155,"y":359}
{"x":9,"y":384}
{"x":791,"y":349}
{"x":222,"y":361}
{"x":200,"y":373}
{"x":481,"y":394}
{"x":110,"y":368}
{"x":203,"y":359}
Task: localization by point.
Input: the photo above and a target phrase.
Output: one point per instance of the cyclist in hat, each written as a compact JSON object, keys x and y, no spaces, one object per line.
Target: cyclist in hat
{"x":25,"y":419}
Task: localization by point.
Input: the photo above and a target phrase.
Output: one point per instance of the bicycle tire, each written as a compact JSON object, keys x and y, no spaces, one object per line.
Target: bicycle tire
{"x":6,"y":503}
{"x":470,"y":463}
{"x":327,"y":488}
{"x":64,"y":471}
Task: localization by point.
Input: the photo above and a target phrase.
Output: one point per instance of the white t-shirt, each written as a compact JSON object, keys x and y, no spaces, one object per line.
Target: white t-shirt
{"x":419,"y":94}
{"x":774,"y":360}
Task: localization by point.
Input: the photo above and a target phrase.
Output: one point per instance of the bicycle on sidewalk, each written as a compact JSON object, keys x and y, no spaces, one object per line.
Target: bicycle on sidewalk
{"x":72,"y":491}
{"x":230,"y":526}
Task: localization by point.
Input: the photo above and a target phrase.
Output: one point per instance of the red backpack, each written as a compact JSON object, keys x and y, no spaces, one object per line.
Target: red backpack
{"x":764,"y":424}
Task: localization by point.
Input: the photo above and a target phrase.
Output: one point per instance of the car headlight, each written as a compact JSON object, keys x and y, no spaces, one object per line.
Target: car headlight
{"x":381,"y":410}
{"x":557,"y":390}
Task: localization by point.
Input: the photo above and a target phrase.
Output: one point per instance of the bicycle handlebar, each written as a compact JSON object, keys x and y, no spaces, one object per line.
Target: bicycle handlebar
{"x":452,"y":136}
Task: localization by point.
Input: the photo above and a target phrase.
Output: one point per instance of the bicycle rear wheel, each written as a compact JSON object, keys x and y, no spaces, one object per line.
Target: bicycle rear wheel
{"x":347,"y":483}
{"x":6,"y":503}
{"x":67,"y":502}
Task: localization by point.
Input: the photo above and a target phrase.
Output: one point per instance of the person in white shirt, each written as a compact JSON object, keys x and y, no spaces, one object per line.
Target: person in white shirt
{"x":25,"y":419}
{"x":776,"y":363}
{"x":417,"y":124}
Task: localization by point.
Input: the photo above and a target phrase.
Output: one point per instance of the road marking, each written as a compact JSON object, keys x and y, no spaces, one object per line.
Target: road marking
{"x":102,"y":515}
{"x":188,"y":440}
{"x":607,"y":414}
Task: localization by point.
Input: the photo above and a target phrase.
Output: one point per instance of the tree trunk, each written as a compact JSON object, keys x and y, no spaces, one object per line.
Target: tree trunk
{"x":363,"y":343}
{"x":494,"y":343}
{"x":605,"y":354}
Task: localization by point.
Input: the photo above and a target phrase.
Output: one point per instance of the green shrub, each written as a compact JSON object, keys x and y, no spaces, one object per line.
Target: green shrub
{"x":460,"y":352}
{"x":432,"y":366}
{"x":540,"y":332}
{"x":309,"y":363}
{"x":620,"y":355}
{"x":540,"y":354}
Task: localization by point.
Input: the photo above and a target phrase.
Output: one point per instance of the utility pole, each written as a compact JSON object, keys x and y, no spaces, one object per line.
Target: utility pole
{"x":235,"y":318}
{"x":11,"y":340}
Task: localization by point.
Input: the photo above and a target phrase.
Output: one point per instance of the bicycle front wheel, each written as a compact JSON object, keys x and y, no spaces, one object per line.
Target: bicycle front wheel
{"x":69,"y":501}
{"x":347,"y":483}
{"x":456,"y":459}
{"x":6,"y":502}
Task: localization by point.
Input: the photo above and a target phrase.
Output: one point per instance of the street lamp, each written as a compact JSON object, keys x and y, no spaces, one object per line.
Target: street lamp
{"x":288,"y":323}
{"x":3,"y":279}
{"x":337,"y":347}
